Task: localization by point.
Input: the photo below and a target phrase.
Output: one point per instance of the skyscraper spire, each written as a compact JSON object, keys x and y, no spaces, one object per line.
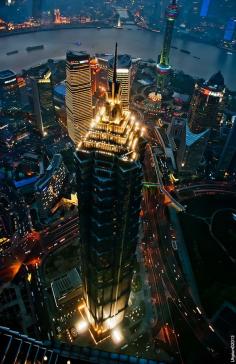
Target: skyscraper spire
{"x":115,"y":85}
{"x":163,"y":67}
{"x":115,"y":65}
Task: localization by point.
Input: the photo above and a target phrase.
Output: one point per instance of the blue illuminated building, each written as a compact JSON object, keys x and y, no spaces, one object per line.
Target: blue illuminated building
{"x":192,"y":148}
{"x":229,"y":30}
{"x":229,"y":151}
{"x":205,"y":8}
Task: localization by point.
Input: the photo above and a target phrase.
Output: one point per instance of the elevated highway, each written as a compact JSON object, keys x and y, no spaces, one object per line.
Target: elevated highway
{"x":172,"y":201}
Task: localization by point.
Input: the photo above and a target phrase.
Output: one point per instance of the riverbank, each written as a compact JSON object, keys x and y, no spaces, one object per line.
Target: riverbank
{"x":203,"y":60}
{"x":101,"y":25}
{"x":54,"y":27}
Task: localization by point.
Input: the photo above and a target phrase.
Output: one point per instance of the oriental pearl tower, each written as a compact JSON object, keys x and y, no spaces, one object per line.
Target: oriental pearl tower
{"x":163,"y":65}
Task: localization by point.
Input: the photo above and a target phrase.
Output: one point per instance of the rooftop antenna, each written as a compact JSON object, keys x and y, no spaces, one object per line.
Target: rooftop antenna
{"x":115,"y":66}
{"x":114,"y":82}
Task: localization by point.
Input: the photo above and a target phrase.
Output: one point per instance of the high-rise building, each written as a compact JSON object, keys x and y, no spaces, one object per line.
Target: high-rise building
{"x":204,"y":120}
{"x":205,"y":8}
{"x":163,"y":66}
{"x":206,"y":104}
{"x":109,"y":180}
{"x":16,"y":305}
{"x":230,"y":30}
{"x":154,"y":17}
{"x":162,"y":5}
{"x":190,"y":12}
{"x":229,"y":150}
{"x":50,"y":188}
{"x":37,"y":9}
{"x":78,"y":95}
{"x":43,"y":102}
{"x":9,"y":92}
{"x":191,"y":150}
{"x":124,"y":69}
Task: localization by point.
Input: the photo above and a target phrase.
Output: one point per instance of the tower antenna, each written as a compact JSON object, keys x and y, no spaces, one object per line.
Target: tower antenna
{"x":115,"y":66}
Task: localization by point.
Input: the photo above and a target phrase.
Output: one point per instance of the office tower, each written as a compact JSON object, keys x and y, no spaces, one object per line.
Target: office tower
{"x":229,"y":150}
{"x":37,"y":9}
{"x":78,"y":95}
{"x":230,"y":30}
{"x":176,"y":128}
{"x":109,"y":180}
{"x":9,"y":92}
{"x":61,"y":231}
{"x":43,"y":102}
{"x":190,"y":12}
{"x":7,"y":215}
{"x":124,"y":69}
{"x":158,"y":10}
{"x":163,"y":66}
{"x":50,"y":188}
{"x":206,"y":104}
{"x":205,"y":8}
{"x":16,"y":305}
{"x":163,"y":5}
{"x":191,"y":150}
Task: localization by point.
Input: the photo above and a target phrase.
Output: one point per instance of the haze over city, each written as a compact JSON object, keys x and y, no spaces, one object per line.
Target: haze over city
{"x":117,"y":181}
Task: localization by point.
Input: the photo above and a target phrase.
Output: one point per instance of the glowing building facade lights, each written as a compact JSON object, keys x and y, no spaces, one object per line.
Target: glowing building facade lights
{"x":109,"y":180}
{"x":9,"y":91}
{"x":81,"y":326}
{"x":50,"y":187}
{"x":124,"y":70}
{"x":78,"y":95}
{"x":206,"y":104}
{"x":204,"y":121}
{"x":117,"y":336}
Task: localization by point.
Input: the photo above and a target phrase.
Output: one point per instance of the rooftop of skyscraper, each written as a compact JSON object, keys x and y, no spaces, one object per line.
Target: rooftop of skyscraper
{"x":192,"y":138}
{"x":114,"y":130}
{"x":73,"y":54}
{"x":6,"y":74}
{"x":216,"y":81}
{"x":123,"y":61}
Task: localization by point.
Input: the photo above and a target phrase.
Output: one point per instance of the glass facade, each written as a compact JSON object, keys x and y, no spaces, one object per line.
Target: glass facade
{"x":206,"y":104}
{"x":9,"y":92}
{"x":43,"y":103}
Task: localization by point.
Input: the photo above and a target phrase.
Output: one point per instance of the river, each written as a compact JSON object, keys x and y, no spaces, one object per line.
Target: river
{"x":138,"y":43}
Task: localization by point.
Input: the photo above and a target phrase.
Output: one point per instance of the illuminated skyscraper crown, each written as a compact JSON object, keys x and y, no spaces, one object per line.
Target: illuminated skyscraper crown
{"x":114,"y":130}
{"x":113,"y":94}
{"x":216,"y":81}
{"x":163,"y":66}
{"x":172,"y":10}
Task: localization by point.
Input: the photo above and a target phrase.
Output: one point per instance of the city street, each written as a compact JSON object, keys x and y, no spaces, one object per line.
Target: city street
{"x":166,"y":278}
